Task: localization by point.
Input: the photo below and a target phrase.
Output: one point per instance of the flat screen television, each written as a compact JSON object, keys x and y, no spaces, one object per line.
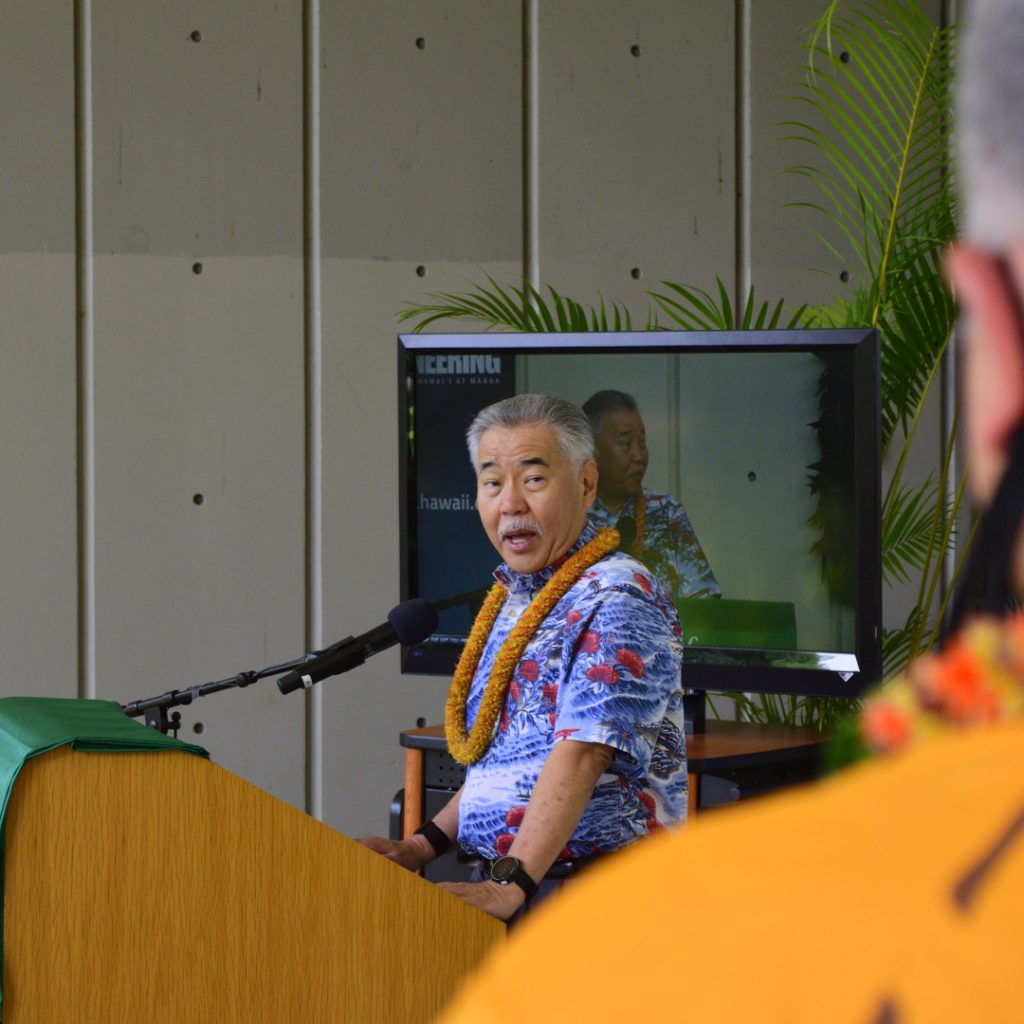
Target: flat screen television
{"x":768,"y":439}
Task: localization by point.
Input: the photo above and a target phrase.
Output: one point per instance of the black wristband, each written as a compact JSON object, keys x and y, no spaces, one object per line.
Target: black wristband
{"x":435,"y":836}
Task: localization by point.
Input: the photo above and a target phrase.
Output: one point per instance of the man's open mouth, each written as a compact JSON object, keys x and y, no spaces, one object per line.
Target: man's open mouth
{"x":519,"y":535}
{"x":519,"y":538}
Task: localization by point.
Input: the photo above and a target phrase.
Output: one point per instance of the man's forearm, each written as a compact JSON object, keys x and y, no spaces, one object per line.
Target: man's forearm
{"x":447,"y":819}
{"x":563,"y":790}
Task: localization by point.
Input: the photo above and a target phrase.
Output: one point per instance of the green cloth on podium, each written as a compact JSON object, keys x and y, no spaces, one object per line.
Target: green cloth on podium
{"x":35,"y":725}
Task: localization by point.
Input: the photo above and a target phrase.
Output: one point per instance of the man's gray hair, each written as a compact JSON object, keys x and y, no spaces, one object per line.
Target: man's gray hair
{"x":990,"y":123}
{"x":575,"y":441}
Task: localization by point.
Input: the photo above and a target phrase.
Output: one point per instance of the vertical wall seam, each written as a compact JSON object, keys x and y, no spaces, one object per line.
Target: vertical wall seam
{"x":531,"y":142}
{"x":85,"y":353}
{"x":743,"y":152}
{"x":313,"y":345}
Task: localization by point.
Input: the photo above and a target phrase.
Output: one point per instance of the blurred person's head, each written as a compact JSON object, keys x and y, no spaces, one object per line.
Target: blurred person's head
{"x":987,"y":266}
{"x":620,"y":445}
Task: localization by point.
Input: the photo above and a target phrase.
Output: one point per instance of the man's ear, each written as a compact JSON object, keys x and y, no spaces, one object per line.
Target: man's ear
{"x":987,"y":290}
{"x":588,"y":482}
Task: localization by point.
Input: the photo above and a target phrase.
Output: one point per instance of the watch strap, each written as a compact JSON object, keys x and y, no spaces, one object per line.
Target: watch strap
{"x":516,"y":877}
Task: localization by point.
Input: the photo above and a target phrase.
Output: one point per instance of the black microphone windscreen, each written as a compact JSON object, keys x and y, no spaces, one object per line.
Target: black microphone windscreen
{"x":413,"y":620}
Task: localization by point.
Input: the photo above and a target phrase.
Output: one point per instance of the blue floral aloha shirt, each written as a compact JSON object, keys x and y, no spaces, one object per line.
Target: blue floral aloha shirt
{"x":671,"y":549}
{"x":604,"y":667}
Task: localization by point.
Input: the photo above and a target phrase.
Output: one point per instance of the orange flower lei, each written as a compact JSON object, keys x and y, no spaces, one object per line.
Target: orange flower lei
{"x":978,"y":679}
{"x":469,"y":749}
{"x":641,"y":522}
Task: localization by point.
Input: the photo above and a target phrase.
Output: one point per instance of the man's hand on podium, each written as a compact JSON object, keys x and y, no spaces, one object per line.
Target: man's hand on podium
{"x":412,"y":853}
{"x":500,"y":901}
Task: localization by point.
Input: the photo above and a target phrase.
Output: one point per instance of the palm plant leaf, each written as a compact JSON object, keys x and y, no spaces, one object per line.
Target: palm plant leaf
{"x":524,"y":309}
{"x":921,"y":631}
{"x":915,"y":333}
{"x":896,"y":642}
{"x":692,"y":308}
{"x":910,"y":539}
{"x":877,"y":90}
{"x":878,"y":97}
{"x":822,"y":713}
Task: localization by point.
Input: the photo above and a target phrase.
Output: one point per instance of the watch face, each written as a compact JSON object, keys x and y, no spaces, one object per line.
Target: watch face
{"x":504,"y":868}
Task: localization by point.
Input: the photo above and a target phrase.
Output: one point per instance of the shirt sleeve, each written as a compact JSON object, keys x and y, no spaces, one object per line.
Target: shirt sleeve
{"x":687,"y":555}
{"x":623,"y":669}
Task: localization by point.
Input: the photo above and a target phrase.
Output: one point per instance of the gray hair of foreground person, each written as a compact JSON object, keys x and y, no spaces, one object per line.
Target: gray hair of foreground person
{"x":990,"y":128}
{"x":575,"y":440}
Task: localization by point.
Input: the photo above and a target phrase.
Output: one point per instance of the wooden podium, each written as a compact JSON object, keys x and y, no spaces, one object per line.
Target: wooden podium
{"x":151,"y":887}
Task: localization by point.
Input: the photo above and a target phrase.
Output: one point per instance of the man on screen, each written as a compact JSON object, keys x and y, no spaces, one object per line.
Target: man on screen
{"x":566,"y":705}
{"x":655,"y":527}
{"x":892,"y":892}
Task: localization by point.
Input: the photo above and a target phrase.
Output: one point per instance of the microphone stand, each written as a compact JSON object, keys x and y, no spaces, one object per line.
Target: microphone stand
{"x":155,"y":708}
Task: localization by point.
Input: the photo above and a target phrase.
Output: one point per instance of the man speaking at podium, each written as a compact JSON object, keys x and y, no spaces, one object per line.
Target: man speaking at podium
{"x":566,"y":705}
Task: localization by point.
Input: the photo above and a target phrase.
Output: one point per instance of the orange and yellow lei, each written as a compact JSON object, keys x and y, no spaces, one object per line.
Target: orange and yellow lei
{"x":641,"y":522}
{"x":469,"y":749}
{"x":977,"y":680}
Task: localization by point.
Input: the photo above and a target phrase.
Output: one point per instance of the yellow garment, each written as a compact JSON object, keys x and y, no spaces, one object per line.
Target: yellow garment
{"x":835,"y":903}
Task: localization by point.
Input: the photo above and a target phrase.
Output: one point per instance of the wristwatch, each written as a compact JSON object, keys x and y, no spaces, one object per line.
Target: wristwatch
{"x":508,"y":869}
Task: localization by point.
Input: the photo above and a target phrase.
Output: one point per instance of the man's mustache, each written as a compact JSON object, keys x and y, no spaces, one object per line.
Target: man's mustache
{"x":519,"y":525}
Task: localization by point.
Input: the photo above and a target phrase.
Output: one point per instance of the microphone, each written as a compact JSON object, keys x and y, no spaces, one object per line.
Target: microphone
{"x":408,"y":623}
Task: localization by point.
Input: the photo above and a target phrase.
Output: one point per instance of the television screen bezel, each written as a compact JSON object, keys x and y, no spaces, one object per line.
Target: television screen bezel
{"x":865,"y":346}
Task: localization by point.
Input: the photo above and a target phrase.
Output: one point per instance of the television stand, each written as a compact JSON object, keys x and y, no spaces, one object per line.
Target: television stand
{"x":695,"y":711}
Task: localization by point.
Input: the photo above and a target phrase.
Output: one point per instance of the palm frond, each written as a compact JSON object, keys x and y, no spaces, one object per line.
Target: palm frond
{"x":694,"y":309}
{"x":896,"y":643}
{"x":523,"y":309}
{"x":911,"y":541}
{"x":882,"y":169}
{"x":821,"y":713}
{"x":915,"y":331}
{"x":877,"y":92}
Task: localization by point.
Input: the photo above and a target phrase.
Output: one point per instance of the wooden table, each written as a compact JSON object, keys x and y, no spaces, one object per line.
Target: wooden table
{"x":725,"y":747}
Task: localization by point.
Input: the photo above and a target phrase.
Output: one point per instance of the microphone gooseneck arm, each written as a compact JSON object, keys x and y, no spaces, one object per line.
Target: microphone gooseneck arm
{"x":155,"y":708}
{"x":409,"y":623}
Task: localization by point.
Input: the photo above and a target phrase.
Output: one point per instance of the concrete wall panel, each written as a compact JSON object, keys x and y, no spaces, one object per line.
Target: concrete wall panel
{"x":421,"y":128}
{"x":195,"y":400}
{"x":37,"y":126}
{"x":785,"y":258}
{"x":38,"y":504}
{"x":199,"y":366}
{"x":38,"y":543}
{"x":635,"y":146}
{"x":198,"y":113}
